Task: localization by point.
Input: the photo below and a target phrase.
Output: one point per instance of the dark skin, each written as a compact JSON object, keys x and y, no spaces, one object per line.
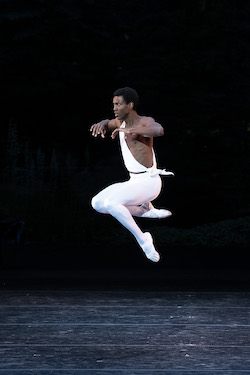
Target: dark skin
{"x":139,"y":130}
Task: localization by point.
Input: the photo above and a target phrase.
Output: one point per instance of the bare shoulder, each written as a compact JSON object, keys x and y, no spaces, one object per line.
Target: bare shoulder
{"x":146,"y":120}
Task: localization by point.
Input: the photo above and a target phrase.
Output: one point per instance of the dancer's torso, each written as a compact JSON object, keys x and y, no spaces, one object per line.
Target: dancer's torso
{"x":131,"y":163}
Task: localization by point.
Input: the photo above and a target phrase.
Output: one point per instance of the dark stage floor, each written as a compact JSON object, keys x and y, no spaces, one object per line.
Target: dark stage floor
{"x":70,"y":326}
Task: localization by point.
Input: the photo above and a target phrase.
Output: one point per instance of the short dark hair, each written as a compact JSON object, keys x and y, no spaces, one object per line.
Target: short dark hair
{"x":129,"y":95}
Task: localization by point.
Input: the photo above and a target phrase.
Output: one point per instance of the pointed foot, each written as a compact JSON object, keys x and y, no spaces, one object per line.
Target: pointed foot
{"x":149,"y":249}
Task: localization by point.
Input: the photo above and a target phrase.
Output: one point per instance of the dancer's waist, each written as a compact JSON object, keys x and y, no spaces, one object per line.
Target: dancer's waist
{"x":138,"y":172}
{"x":153,"y":171}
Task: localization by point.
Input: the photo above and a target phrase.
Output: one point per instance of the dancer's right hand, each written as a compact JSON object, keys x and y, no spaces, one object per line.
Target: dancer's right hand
{"x":98,"y":129}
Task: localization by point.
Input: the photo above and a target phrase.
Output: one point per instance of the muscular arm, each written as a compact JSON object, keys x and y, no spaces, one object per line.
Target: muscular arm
{"x":147,"y":127}
{"x":104,"y":126}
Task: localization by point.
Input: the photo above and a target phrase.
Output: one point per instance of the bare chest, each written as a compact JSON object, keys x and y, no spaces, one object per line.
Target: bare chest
{"x":141,"y":148}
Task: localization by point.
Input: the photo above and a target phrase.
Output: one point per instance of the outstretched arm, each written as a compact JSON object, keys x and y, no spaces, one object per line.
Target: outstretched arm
{"x":104,"y":126}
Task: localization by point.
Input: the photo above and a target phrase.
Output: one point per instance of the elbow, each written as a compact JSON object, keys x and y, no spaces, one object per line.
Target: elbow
{"x":161,"y":132}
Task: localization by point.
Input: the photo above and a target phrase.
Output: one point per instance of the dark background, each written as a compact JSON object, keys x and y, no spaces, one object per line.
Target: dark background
{"x":60,"y":62}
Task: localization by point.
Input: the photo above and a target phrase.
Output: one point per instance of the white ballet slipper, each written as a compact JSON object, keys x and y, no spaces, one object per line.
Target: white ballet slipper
{"x":155,"y":213}
{"x":149,"y":249}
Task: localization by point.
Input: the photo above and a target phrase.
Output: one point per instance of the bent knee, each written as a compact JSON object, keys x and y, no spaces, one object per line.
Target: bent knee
{"x":103,"y":206}
{"x":96,"y":204}
{"x":108,"y":204}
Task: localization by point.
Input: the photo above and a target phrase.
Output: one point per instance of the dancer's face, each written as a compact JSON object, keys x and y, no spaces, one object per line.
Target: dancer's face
{"x":121,"y":108}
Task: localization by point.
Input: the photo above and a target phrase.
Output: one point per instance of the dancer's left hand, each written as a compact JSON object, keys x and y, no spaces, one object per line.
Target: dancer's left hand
{"x":124,"y":130}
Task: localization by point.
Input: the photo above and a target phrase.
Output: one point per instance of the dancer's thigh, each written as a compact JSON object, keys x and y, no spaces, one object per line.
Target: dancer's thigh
{"x":132,"y":192}
{"x":109,"y":191}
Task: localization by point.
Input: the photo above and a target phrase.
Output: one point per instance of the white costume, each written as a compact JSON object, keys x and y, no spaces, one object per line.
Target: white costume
{"x":132,"y":198}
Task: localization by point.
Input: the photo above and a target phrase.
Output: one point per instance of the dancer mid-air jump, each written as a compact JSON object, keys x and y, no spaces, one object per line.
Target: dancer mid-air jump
{"x":133,"y":197}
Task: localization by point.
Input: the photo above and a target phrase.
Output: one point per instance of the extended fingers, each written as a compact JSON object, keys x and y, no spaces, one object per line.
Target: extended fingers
{"x":93,"y":130}
{"x":114,"y":133}
{"x":97,"y":129}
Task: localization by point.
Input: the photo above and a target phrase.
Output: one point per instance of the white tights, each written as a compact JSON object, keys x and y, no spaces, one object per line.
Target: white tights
{"x":123,"y":200}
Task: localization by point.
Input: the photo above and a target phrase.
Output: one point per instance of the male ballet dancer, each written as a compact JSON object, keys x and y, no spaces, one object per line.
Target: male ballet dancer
{"x":133,"y":197}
